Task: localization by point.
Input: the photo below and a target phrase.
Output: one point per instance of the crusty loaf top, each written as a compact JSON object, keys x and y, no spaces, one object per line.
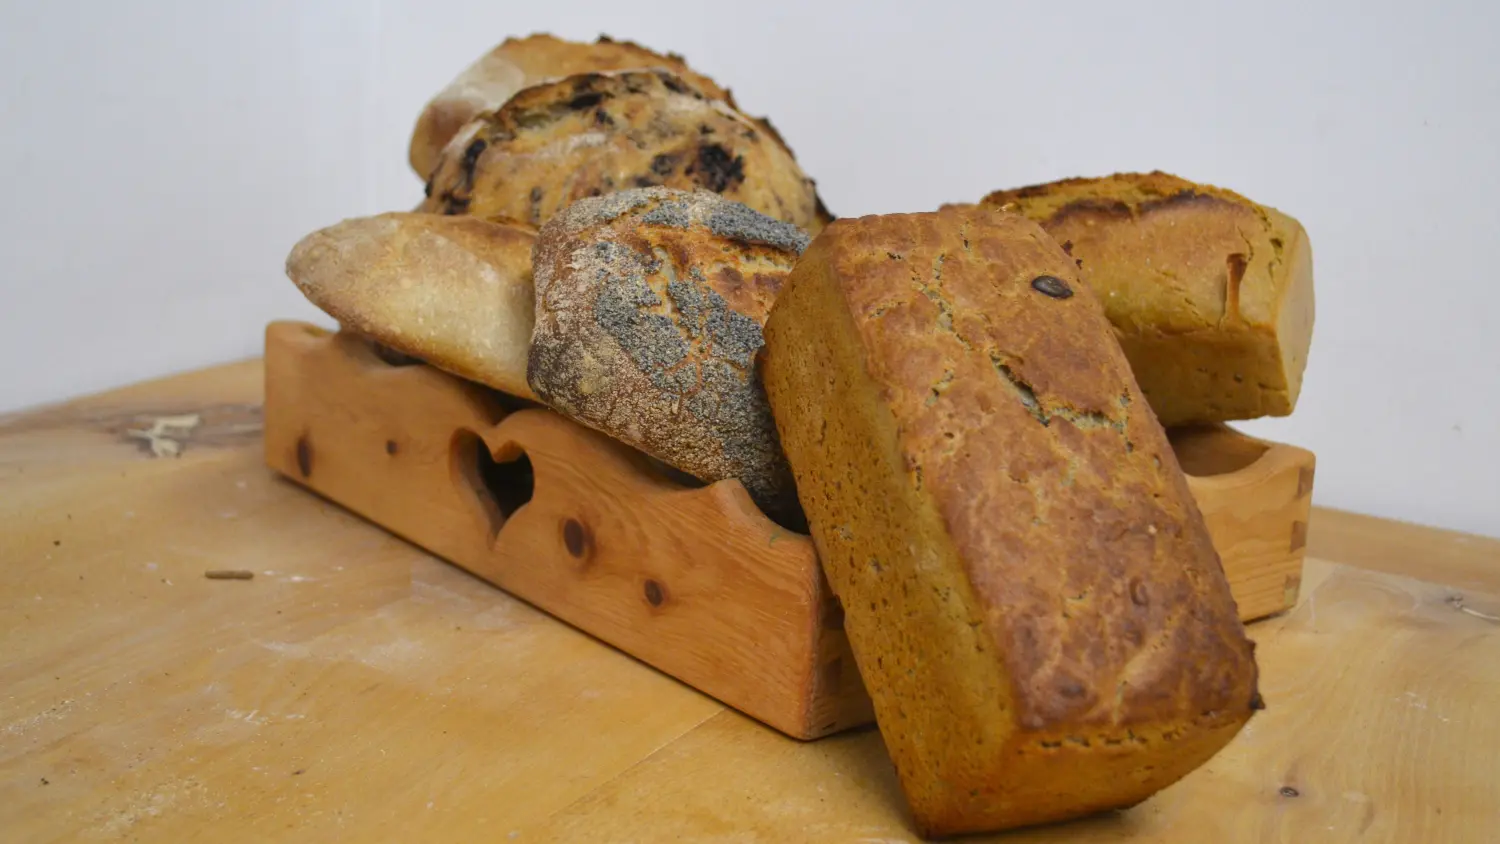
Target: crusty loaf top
{"x":453,"y":291}
{"x":649,"y":307}
{"x":522,"y":62}
{"x":1020,"y":421}
{"x":1165,"y":254}
{"x":598,"y":133}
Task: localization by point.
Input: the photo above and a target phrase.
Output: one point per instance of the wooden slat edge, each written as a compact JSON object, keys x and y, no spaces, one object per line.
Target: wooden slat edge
{"x":1436,"y":555}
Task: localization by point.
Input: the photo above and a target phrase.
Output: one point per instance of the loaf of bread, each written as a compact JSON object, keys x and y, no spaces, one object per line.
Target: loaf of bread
{"x":598,"y":133}
{"x":649,"y":309}
{"x":1028,"y":587}
{"x":1210,"y":294}
{"x":452,"y":291}
{"x":520,"y":63}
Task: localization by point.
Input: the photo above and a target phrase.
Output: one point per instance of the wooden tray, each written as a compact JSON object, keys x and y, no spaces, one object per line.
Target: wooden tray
{"x":692,"y":580}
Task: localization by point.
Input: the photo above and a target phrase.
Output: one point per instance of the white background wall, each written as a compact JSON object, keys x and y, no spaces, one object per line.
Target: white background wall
{"x":162,"y":157}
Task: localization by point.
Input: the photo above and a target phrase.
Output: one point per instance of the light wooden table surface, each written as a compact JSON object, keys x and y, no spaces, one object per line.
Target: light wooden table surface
{"x":357,"y":689}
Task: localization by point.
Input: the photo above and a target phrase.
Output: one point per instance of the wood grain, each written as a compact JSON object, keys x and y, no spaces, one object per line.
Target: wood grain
{"x":1256,"y":497}
{"x":360,"y":689}
{"x":1378,"y":729}
{"x":694,"y":581}
{"x":355,"y":689}
{"x":1467,"y":561}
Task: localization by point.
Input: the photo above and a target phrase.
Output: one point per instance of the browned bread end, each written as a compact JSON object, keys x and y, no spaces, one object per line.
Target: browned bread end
{"x":1210,"y":294}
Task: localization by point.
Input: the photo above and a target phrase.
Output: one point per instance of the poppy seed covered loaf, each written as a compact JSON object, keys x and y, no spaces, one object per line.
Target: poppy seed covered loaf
{"x":649,"y":307}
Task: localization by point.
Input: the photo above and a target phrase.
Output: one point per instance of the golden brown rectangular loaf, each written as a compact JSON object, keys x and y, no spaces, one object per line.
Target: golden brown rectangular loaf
{"x":1211,"y":295}
{"x":1028,"y":586}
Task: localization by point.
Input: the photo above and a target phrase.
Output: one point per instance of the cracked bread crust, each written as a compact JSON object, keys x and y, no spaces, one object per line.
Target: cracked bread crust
{"x":455,"y":292}
{"x":519,"y":63}
{"x":1029,"y":589}
{"x":1210,"y":294}
{"x":649,"y":310}
{"x":597,"y":133}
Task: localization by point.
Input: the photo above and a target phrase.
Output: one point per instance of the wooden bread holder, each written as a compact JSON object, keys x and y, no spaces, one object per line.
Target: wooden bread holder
{"x":694,"y":581}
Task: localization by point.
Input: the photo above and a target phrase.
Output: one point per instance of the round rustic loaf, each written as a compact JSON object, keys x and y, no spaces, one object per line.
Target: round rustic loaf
{"x":649,"y":307}
{"x":596,"y":133}
{"x":519,"y":63}
{"x":452,"y":291}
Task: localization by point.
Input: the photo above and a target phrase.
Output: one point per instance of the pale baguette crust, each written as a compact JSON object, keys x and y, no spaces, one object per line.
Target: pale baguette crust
{"x":1028,"y":587}
{"x":455,"y":292}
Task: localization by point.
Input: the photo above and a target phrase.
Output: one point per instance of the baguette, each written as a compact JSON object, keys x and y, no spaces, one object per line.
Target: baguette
{"x":455,"y":292}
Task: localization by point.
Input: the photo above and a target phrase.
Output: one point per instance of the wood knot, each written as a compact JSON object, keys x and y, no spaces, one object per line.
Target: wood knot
{"x":655,"y":594}
{"x":1138,"y":592}
{"x":391,"y":448}
{"x":304,"y":456}
{"x":1288,"y":791}
{"x":575,"y":537}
